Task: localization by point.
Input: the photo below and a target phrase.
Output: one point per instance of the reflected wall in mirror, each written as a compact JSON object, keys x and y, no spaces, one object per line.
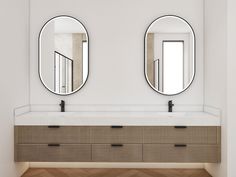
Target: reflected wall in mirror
{"x":63,"y":55}
{"x":170,"y":55}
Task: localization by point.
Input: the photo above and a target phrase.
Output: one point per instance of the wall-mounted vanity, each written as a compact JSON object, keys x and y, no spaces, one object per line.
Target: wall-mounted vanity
{"x":117,"y":137}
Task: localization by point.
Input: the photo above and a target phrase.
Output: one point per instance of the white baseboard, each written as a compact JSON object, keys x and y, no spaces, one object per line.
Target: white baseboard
{"x":114,"y":165}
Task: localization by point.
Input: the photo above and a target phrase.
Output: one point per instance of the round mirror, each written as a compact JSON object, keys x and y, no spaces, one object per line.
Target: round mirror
{"x":63,"y":55}
{"x":169,"y":55}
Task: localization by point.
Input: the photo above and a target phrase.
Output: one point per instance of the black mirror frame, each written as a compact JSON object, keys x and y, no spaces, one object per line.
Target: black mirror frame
{"x":66,"y":94}
{"x":145,"y":68}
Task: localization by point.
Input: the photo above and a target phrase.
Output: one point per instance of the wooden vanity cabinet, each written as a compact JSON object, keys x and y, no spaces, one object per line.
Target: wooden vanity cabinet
{"x":182,"y":144}
{"x":116,"y":134}
{"x":52,"y":134}
{"x":180,"y":153}
{"x":117,"y":144}
{"x":52,"y":144}
{"x":53,"y":152}
{"x":117,"y":152}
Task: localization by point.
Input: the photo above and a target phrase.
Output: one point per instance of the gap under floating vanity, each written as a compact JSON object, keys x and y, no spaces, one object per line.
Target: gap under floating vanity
{"x":118,"y":137}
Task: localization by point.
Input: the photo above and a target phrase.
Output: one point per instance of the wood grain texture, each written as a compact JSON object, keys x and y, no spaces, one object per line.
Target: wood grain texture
{"x":45,"y":135}
{"x":190,"y":153}
{"x":45,"y":153}
{"x":126,"y":153}
{"x":148,"y":144}
{"x":190,"y":135}
{"x":116,"y":173}
{"x":106,"y":134}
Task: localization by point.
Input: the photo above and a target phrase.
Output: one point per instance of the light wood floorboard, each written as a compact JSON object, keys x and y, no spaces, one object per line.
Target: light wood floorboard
{"x":84,"y":172}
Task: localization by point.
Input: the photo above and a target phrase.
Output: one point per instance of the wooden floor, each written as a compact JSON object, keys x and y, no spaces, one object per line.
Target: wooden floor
{"x":52,"y":172}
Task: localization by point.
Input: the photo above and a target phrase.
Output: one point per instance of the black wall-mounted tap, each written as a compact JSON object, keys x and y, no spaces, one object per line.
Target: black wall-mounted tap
{"x":170,"y":106}
{"x":62,"y":106}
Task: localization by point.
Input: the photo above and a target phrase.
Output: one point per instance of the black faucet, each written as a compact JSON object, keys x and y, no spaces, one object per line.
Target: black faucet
{"x":170,"y":106}
{"x":62,"y":106}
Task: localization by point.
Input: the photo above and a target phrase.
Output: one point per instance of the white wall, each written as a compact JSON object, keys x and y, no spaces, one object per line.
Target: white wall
{"x":14,"y":78}
{"x":231,"y":87}
{"x":116,"y":61}
{"x":215,"y":71}
{"x":116,"y":32}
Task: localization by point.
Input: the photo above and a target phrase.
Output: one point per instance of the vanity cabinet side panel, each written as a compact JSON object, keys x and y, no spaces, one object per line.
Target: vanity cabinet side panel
{"x":15,"y":143}
{"x":219,"y":142}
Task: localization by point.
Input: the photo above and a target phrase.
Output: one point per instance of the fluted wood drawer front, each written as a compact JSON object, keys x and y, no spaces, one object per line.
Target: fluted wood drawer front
{"x":190,"y":153}
{"x":45,"y":153}
{"x":52,"y":134}
{"x":105,"y":134}
{"x":109,"y":153}
{"x":181,"y":134}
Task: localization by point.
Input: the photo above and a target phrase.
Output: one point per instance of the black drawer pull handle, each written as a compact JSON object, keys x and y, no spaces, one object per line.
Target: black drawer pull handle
{"x":116,"y":145}
{"x":53,"y":126}
{"x":53,"y":145}
{"x":180,"y":145}
{"x":116,"y":126}
{"x":180,"y":126}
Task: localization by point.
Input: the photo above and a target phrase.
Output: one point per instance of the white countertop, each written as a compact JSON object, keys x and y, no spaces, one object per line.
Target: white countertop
{"x":117,"y":118}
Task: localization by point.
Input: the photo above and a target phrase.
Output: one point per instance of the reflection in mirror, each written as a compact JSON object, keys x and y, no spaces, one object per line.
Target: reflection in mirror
{"x":63,"y":55}
{"x":169,"y":55}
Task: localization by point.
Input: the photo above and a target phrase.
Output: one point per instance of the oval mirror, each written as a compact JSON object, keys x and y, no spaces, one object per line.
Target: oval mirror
{"x":169,"y":55}
{"x":63,"y":55}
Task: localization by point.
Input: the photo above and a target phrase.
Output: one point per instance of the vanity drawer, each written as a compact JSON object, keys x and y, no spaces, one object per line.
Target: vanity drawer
{"x":116,"y":134}
{"x":51,"y":134}
{"x":53,"y":153}
{"x":117,"y":153}
{"x":181,"y":134}
{"x":190,"y":153}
